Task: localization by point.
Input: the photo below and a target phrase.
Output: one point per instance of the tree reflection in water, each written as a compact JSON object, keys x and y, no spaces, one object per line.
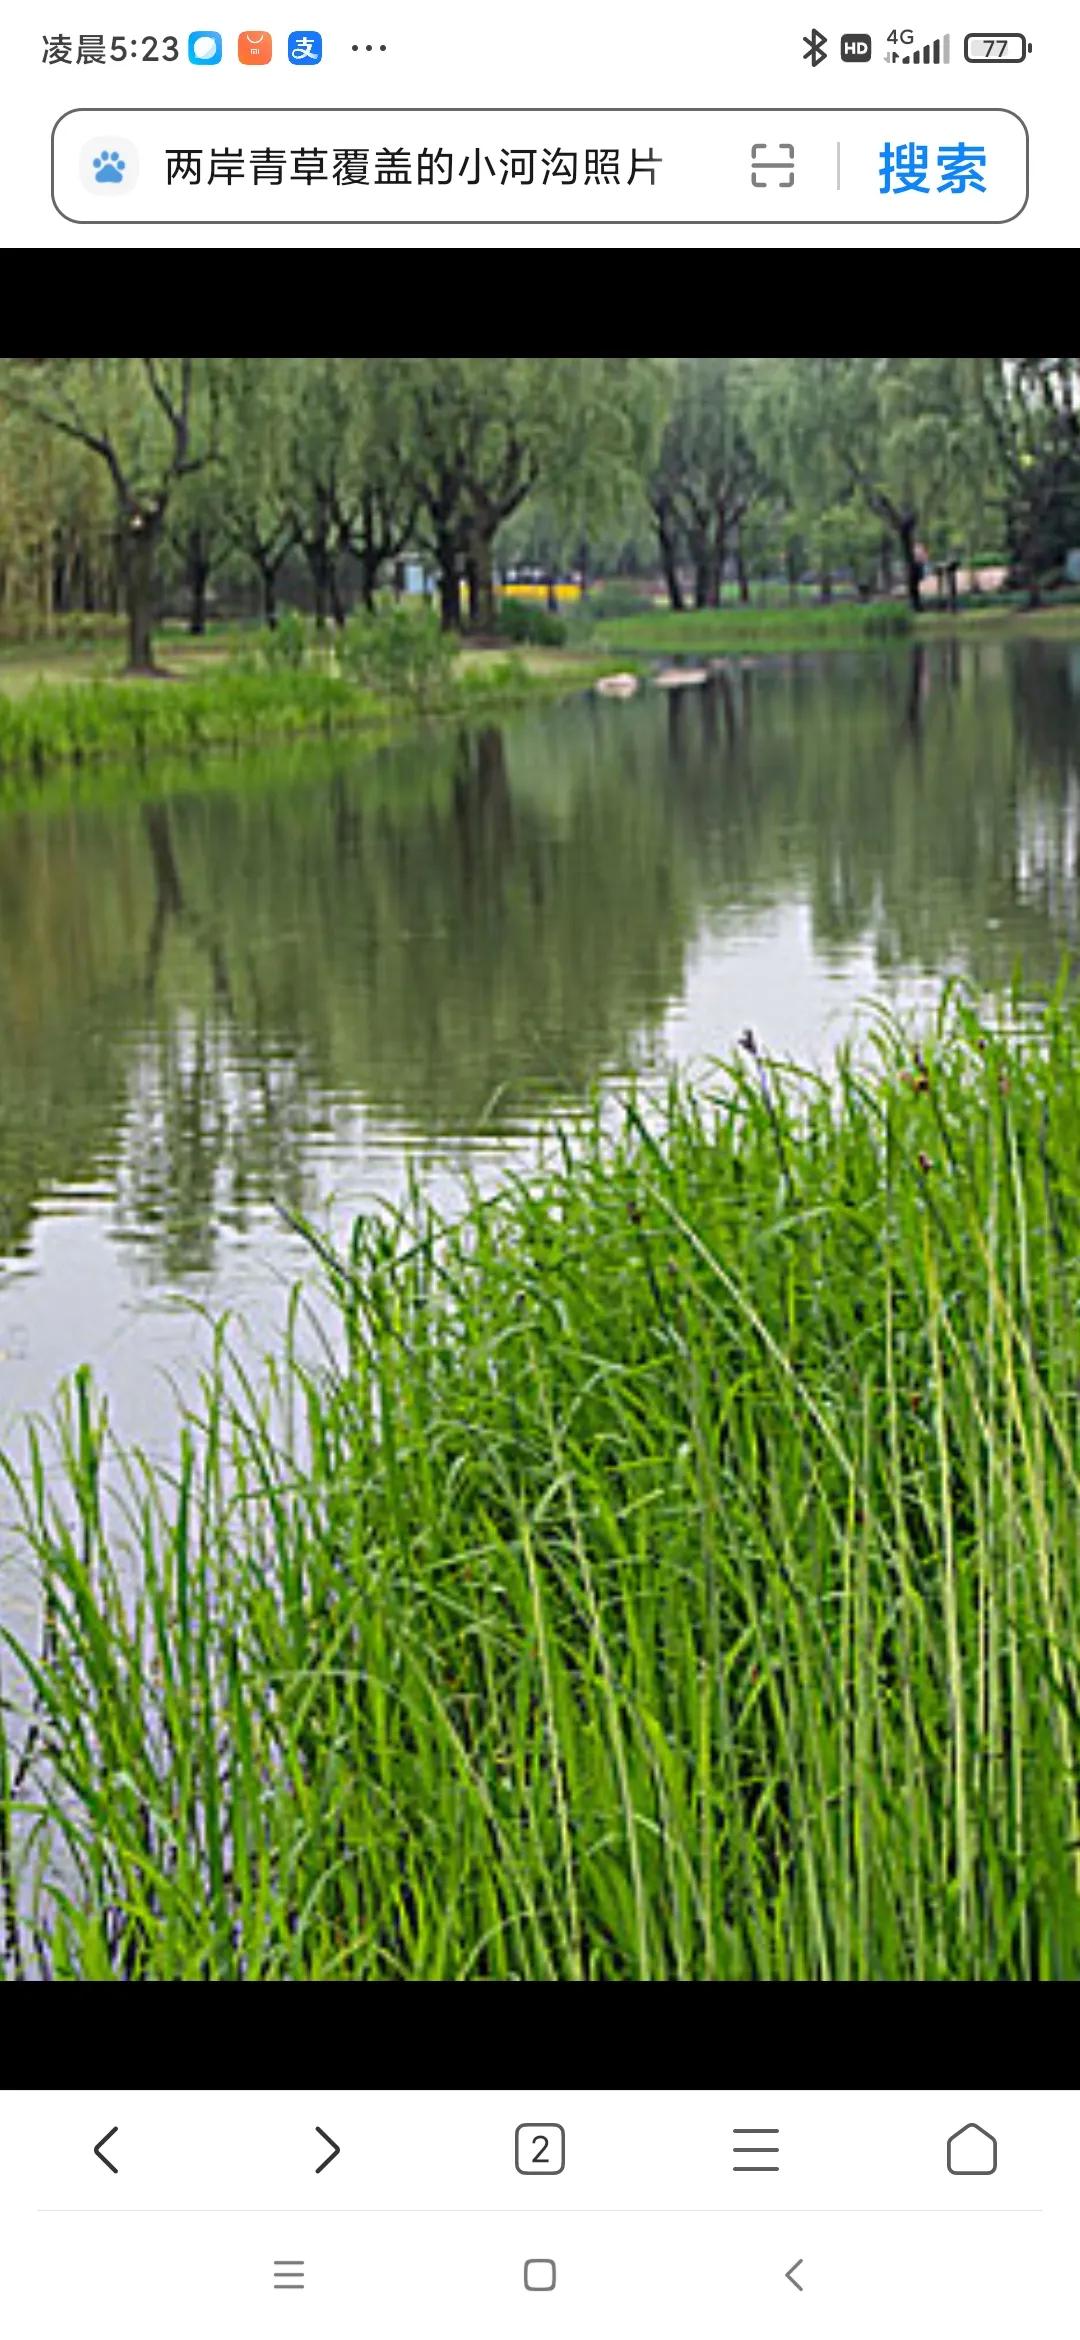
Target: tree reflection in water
{"x":447,"y":941}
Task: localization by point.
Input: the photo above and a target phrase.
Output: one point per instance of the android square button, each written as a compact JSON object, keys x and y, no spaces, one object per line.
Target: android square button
{"x":539,"y":2274}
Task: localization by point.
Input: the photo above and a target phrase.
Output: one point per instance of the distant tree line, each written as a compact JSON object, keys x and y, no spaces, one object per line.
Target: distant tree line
{"x":123,"y":480}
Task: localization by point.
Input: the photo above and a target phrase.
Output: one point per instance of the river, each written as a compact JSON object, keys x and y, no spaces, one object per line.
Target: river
{"x":294,"y":978}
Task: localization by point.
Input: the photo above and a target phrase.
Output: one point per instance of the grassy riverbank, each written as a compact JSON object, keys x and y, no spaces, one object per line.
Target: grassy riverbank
{"x":49,"y":724}
{"x":69,"y":705}
{"x":680,"y":1580}
{"x":746,"y":631}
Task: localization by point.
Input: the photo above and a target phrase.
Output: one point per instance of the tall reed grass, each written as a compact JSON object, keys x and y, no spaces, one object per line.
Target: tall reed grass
{"x":72,"y":725}
{"x":677,"y":1574}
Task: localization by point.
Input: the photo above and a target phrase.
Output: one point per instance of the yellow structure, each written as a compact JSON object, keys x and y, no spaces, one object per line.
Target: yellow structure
{"x":540,"y":592}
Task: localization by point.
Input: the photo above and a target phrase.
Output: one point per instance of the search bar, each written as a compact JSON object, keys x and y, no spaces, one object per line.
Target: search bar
{"x":900,"y":166}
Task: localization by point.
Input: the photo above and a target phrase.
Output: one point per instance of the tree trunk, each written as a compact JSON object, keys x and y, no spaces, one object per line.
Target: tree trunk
{"x":87,"y":594}
{"x":825,"y":585}
{"x":337,"y":602}
{"x":670,"y":567}
{"x":142,"y":536}
{"x":45,"y":586}
{"x":369,"y":574}
{"x":317,"y":554}
{"x":472,"y":593}
{"x":583,"y":564}
{"x":744,"y":581}
{"x":268,"y":578}
{"x":708,"y":560}
{"x":198,"y":579}
{"x":912,"y":564}
{"x":552,"y":596}
{"x":449,"y":585}
{"x":481,"y":576}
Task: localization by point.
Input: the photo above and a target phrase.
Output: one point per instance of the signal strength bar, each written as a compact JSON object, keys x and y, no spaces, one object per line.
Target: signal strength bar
{"x":935,"y":53}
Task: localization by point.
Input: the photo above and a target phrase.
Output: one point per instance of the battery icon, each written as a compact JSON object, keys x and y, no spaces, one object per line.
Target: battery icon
{"x":996,"y":48}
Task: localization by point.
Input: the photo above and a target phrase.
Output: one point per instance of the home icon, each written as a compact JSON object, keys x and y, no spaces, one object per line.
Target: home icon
{"x":972,"y":2152}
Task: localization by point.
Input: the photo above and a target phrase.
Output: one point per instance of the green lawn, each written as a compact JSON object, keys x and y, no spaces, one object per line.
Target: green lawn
{"x":22,"y":666}
{"x":742,"y":631}
{"x":676,"y":1578}
{"x":192,"y":657}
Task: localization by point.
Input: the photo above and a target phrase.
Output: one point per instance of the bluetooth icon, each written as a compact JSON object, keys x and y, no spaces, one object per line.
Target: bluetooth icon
{"x":814,"y":47}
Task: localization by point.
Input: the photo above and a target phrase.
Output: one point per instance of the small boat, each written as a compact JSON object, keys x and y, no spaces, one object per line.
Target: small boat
{"x":617,"y":686}
{"x":680,"y":678}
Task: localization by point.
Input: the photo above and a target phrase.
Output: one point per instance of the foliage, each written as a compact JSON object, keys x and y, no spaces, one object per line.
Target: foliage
{"x":1030,"y":410}
{"x":80,"y":724}
{"x":673,"y":1577}
{"x":401,"y":653}
{"x":286,"y":644}
{"x":525,"y":621}
{"x":113,"y":470}
{"x":613,"y":599}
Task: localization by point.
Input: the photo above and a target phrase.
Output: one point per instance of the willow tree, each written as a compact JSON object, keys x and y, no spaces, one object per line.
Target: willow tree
{"x":152,"y":422}
{"x":899,"y":430}
{"x":255,"y":480}
{"x":1030,"y":410}
{"x":709,"y":473}
{"x":610,"y":414}
{"x":56,"y":528}
{"x":470,"y":430}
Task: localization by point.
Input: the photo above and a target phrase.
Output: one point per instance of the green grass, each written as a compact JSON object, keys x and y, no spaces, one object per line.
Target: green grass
{"x":98,"y":652}
{"x":49,"y":724}
{"x":675,"y":1576}
{"x":744,"y":630}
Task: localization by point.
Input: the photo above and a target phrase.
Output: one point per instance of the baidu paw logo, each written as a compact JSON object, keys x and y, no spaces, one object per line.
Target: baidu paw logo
{"x":109,"y":166}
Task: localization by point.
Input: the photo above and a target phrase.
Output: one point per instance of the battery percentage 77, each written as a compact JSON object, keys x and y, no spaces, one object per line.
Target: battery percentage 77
{"x":996,"y":48}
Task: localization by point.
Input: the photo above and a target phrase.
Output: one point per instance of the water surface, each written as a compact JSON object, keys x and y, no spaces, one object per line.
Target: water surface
{"x":288,"y":979}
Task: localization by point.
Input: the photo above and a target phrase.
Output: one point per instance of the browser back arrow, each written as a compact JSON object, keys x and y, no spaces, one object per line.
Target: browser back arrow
{"x":104,"y":2156}
{"x":331,"y":2156}
{"x":789,"y":2276}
